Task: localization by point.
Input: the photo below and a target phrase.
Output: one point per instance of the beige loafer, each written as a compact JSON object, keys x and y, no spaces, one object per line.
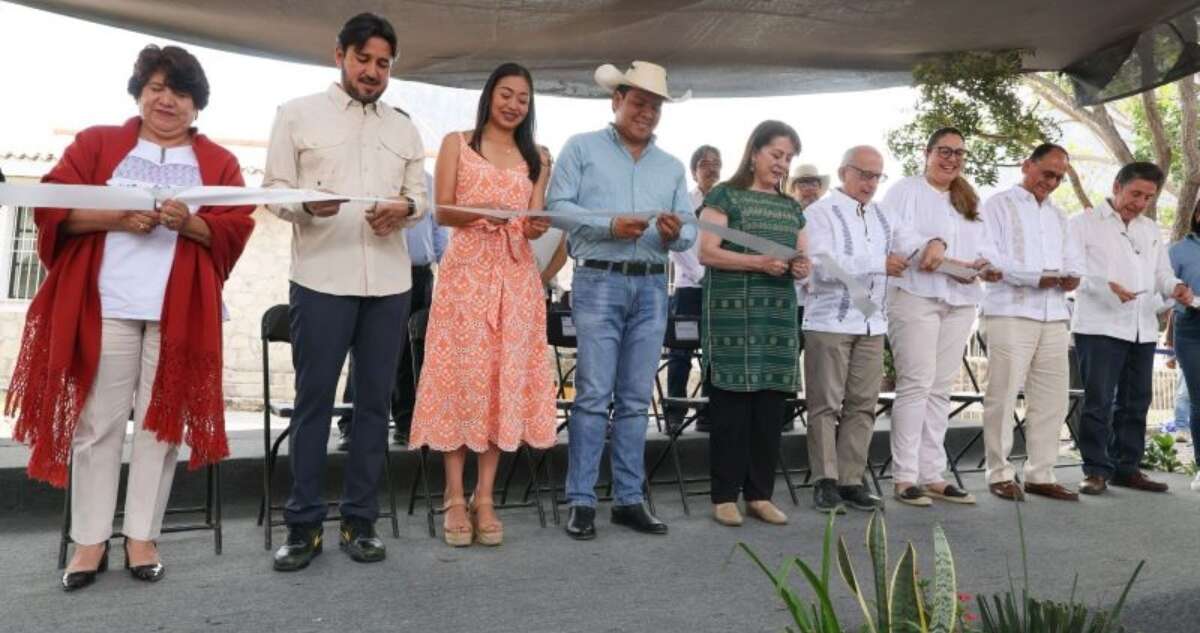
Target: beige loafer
{"x":727,"y":514}
{"x":766,"y":512}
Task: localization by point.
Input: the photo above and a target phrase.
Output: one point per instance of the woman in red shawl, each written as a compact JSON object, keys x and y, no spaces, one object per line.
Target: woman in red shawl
{"x":129,"y":318}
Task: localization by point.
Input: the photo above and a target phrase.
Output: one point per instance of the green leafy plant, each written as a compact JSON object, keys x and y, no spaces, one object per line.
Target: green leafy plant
{"x":898,"y":604}
{"x":1008,"y":613}
{"x":1162,"y":454}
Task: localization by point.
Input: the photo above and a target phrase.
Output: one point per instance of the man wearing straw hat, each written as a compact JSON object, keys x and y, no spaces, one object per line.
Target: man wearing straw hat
{"x":808,"y":184}
{"x":619,"y":287}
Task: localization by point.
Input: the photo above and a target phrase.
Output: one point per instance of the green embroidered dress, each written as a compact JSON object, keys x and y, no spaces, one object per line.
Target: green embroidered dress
{"x":749,"y":333}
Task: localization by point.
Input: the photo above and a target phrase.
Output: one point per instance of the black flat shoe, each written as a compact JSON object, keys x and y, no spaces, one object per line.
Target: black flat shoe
{"x":303,"y":544}
{"x":153,"y":572}
{"x":357,"y":538}
{"x":581,"y":523}
{"x":74,"y":580}
{"x":638,"y":517}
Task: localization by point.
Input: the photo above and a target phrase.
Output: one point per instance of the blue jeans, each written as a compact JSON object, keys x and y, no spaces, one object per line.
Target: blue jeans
{"x":620,"y":321}
{"x":1187,"y":354}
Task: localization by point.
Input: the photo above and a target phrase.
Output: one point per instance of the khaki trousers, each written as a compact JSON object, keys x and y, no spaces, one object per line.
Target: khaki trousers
{"x":842,"y":373}
{"x":1030,"y":354}
{"x":124,"y":377}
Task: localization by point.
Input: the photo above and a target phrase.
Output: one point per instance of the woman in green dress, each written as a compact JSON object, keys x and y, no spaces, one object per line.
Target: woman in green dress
{"x":749,"y":333}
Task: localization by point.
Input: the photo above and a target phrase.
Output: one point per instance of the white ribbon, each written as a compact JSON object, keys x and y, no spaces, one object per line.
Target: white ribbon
{"x":859,"y":295}
{"x":145,"y":198}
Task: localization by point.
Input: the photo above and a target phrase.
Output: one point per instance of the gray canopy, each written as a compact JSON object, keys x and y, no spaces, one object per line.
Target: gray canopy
{"x":716,"y":48}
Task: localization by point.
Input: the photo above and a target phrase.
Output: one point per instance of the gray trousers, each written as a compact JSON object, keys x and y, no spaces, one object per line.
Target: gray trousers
{"x":842,"y":373}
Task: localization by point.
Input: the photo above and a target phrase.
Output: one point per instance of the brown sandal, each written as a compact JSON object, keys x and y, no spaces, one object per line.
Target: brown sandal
{"x":491,"y":534}
{"x":458,"y":536}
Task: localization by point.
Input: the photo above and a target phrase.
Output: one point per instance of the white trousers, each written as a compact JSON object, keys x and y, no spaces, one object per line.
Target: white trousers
{"x":1032,"y":354}
{"x":128,"y":361}
{"x":927,"y":338}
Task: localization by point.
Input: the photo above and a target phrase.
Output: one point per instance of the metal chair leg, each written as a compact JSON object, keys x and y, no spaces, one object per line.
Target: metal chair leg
{"x":537,"y":489}
{"x":65,"y":538}
{"x":425,"y":486}
{"x":218,"y":526}
{"x":674,"y":450}
{"x":391,"y":485}
{"x":508,"y":475}
{"x":552,"y":486}
{"x":412,"y":492}
{"x":787,"y":478}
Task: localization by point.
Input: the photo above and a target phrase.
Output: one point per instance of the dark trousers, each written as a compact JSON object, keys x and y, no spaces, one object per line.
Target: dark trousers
{"x":688,"y":302}
{"x":744,"y":444}
{"x":404,"y":396}
{"x":1187,"y":354}
{"x":1117,"y":377}
{"x":324,"y":329}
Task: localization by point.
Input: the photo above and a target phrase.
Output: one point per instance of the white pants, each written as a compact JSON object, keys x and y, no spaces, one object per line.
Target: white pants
{"x":1033,"y":354}
{"x":927,"y":338}
{"x":128,"y":361}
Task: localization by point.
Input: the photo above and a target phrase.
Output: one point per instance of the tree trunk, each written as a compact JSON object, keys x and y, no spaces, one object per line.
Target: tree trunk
{"x":1159,"y":140}
{"x":1190,"y":140}
{"x":1096,"y":119}
{"x":1077,"y":185}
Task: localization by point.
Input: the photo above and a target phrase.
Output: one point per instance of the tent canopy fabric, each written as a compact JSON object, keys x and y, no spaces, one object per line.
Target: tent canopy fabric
{"x":717,"y":48}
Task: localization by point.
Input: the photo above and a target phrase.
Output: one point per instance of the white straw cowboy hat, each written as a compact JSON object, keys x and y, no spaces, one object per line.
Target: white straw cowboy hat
{"x":644,"y":75}
{"x":808,"y":170}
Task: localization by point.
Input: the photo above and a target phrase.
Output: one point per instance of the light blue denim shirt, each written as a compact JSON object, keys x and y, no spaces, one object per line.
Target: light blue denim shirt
{"x":595,"y":172}
{"x":1185,"y":263}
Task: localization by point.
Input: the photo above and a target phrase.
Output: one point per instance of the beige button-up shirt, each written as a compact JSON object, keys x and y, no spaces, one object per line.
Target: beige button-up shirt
{"x":330,"y":141}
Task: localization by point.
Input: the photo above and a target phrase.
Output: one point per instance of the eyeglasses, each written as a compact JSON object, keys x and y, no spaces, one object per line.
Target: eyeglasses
{"x":808,"y":182}
{"x":868,"y":175}
{"x":709,"y":164}
{"x":950,"y":152}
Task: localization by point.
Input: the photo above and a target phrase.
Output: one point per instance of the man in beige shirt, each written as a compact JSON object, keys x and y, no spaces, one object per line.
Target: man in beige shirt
{"x":350,"y":278}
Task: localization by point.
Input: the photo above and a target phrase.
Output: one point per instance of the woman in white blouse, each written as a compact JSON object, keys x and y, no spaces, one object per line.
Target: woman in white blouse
{"x":931,"y":310}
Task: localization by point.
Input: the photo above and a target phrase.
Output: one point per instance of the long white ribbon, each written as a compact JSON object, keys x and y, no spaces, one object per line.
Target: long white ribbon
{"x":859,"y":295}
{"x":140,"y":198}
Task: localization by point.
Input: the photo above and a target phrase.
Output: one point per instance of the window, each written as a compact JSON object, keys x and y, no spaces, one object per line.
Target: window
{"x":22,"y":272}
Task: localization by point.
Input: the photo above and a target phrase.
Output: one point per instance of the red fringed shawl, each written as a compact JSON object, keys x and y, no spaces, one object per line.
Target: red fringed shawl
{"x":60,"y":348}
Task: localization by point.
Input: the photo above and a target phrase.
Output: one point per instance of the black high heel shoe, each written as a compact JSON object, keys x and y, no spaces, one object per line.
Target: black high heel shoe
{"x":153,"y":572}
{"x":74,"y":580}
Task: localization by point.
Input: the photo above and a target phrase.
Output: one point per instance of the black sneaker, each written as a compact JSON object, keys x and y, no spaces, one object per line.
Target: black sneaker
{"x":826,"y":498}
{"x":860,"y":498}
{"x":303,"y":545}
{"x":343,"y":427}
{"x":357,"y":538}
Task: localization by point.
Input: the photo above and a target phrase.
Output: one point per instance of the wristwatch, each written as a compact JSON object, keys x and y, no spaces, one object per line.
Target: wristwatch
{"x":412,"y":206}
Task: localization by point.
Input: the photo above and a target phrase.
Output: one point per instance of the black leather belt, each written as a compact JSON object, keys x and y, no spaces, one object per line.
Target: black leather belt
{"x":634,"y":269}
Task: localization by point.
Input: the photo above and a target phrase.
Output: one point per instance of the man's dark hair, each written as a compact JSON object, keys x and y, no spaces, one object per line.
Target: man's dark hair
{"x":363,"y":27}
{"x":1141,"y":170}
{"x":1042,"y":150}
{"x":698,"y":155}
{"x":181,"y":70}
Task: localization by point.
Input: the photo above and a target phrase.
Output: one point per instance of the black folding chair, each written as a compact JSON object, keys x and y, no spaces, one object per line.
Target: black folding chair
{"x":276,"y":328}
{"x":211,"y":511}
{"x":417,"y":325}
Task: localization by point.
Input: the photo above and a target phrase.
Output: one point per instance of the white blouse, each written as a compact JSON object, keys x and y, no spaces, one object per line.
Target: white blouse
{"x":921,"y":213}
{"x":135,"y":268}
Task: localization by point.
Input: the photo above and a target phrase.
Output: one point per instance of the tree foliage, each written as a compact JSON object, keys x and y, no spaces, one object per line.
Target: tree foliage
{"x":978,"y":93}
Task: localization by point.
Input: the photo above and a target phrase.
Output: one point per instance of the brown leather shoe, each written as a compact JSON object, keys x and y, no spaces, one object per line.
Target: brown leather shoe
{"x":1139,"y":481}
{"x":1054,"y":491}
{"x":1007,"y":490}
{"x":1093,"y":485}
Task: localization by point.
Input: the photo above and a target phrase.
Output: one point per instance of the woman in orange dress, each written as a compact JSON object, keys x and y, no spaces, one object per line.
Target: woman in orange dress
{"x":486,"y":383}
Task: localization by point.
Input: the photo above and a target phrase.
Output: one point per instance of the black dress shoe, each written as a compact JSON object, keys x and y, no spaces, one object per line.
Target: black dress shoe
{"x":153,"y":572}
{"x":581,"y":523}
{"x":826,"y":497}
{"x":74,"y":580}
{"x":357,"y":538}
{"x":303,"y":545}
{"x":860,"y":498}
{"x":638,"y":517}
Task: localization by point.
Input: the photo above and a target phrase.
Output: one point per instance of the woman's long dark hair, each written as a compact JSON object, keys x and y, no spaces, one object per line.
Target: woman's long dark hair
{"x":524,"y":132}
{"x":762,"y":136}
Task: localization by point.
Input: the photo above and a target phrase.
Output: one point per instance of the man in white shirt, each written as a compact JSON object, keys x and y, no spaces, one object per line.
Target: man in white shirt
{"x":1126,"y":282}
{"x":843,"y":360}
{"x":687,"y":299}
{"x":350,"y":279}
{"x":1025,"y":319}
